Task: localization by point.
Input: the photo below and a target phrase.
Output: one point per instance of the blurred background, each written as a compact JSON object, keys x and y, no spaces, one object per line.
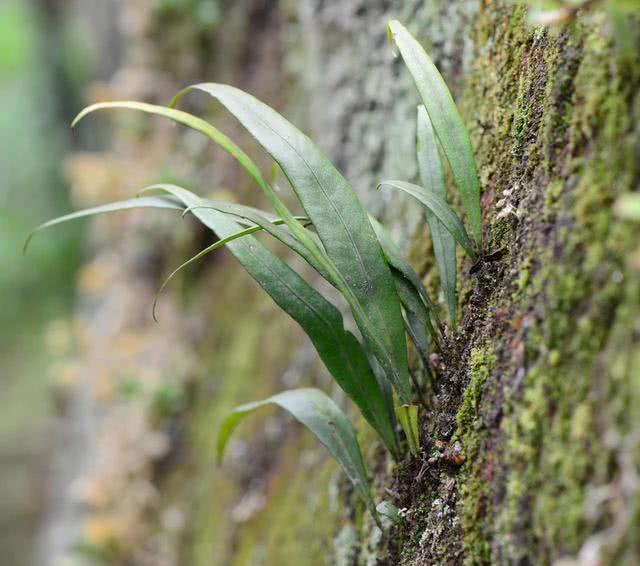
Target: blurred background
{"x":43,"y":69}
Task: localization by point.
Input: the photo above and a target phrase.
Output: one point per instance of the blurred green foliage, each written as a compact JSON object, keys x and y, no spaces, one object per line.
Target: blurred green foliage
{"x":30,"y":186}
{"x":37,"y":288}
{"x":16,"y":38}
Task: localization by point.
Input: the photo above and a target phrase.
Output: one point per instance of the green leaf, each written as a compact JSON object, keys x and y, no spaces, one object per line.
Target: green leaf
{"x":185,"y":119}
{"x":216,"y":245}
{"x":440,"y":209}
{"x":224,"y":142}
{"x":283,"y":235}
{"x":325,"y":420}
{"x":432,"y":177}
{"x":364,"y":395}
{"x":340,"y":351}
{"x":418,"y":323}
{"x":316,"y":256}
{"x":141,"y":202}
{"x":265,"y":220}
{"x":356,"y":263}
{"x":408,"y":418}
{"x":421,"y":318}
{"x":398,"y":264}
{"x":446,"y":121}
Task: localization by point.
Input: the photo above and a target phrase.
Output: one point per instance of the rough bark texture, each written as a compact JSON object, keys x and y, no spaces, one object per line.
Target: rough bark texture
{"x":531,"y":442}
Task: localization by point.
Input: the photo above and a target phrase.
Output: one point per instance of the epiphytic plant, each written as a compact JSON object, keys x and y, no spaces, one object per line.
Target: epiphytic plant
{"x":344,"y":245}
{"x":439,"y":124}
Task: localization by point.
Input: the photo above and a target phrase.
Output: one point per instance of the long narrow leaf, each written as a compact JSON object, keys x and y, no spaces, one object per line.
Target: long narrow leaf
{"x":418,"y":323}
{"x":341,"y":223}
{"x":216,"y":245}
{"x":432,"y":176}
{"x":268,"y":222}
{"x":397,"y":263}
{"x":446,"y":120}
{"x":325,"y":420}
{"x":440,"y":209}
{"x":141,"y":202}
{"x":340,"y":351}
{"x":319,"y":256}
{"x":408,"y":417}
{"x":217,"y":137}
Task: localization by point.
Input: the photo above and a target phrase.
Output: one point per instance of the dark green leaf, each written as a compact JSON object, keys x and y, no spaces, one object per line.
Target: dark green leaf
{"x":339,"y":349}
{"x":446,"y":121}
{"x":357,"y":265}
{"x":440,"y":209}
{"x":398,"y":264}
{"x":421,"y":319}
{"x":432,"y":176}
{"x":324,"y":419}
{"x":418,"y":322}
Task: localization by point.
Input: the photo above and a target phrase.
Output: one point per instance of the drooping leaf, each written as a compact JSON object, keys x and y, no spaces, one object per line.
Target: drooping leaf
{"x":282,"y":234}
{"x":216,"y":245}
{"x":432,"y":177}
{"x":265,"y":220}
{"x":446,"y":121}
{"x":325,"y":420}
{"x":340,"y":351}
{"x":356,"y":264}
{"x":220,"y":139}
{"x":141,"y":202}
{"x":440,"y":209}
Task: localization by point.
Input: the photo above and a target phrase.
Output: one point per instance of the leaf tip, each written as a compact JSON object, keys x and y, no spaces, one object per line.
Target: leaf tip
{"x":391,"y":36}
{"x":27,"y":241}
{"x":176,"y":99}
{"x":81,"y":115}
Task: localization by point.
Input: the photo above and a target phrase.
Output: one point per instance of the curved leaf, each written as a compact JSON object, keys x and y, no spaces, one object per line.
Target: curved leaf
{"x":340,"y":351}
{"x":219,"y":138}
{"x":341,"y":223}
{"x":141,"y":202}
{"x":265,"y":220}
{"x":324,"y":419}
{"x":446,"y":121}
{"x":440,"y":209}
{"x":432,"y":177}
{"x":216,"y":245}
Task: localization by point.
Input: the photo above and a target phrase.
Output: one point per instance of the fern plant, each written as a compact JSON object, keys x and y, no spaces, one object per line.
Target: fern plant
{"x":343,"y":245}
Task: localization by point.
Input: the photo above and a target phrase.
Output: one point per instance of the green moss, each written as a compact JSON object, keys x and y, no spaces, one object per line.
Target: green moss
{"x":474,"y":492}
{"x":561,"y":149}
{"x":481,"y":362}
